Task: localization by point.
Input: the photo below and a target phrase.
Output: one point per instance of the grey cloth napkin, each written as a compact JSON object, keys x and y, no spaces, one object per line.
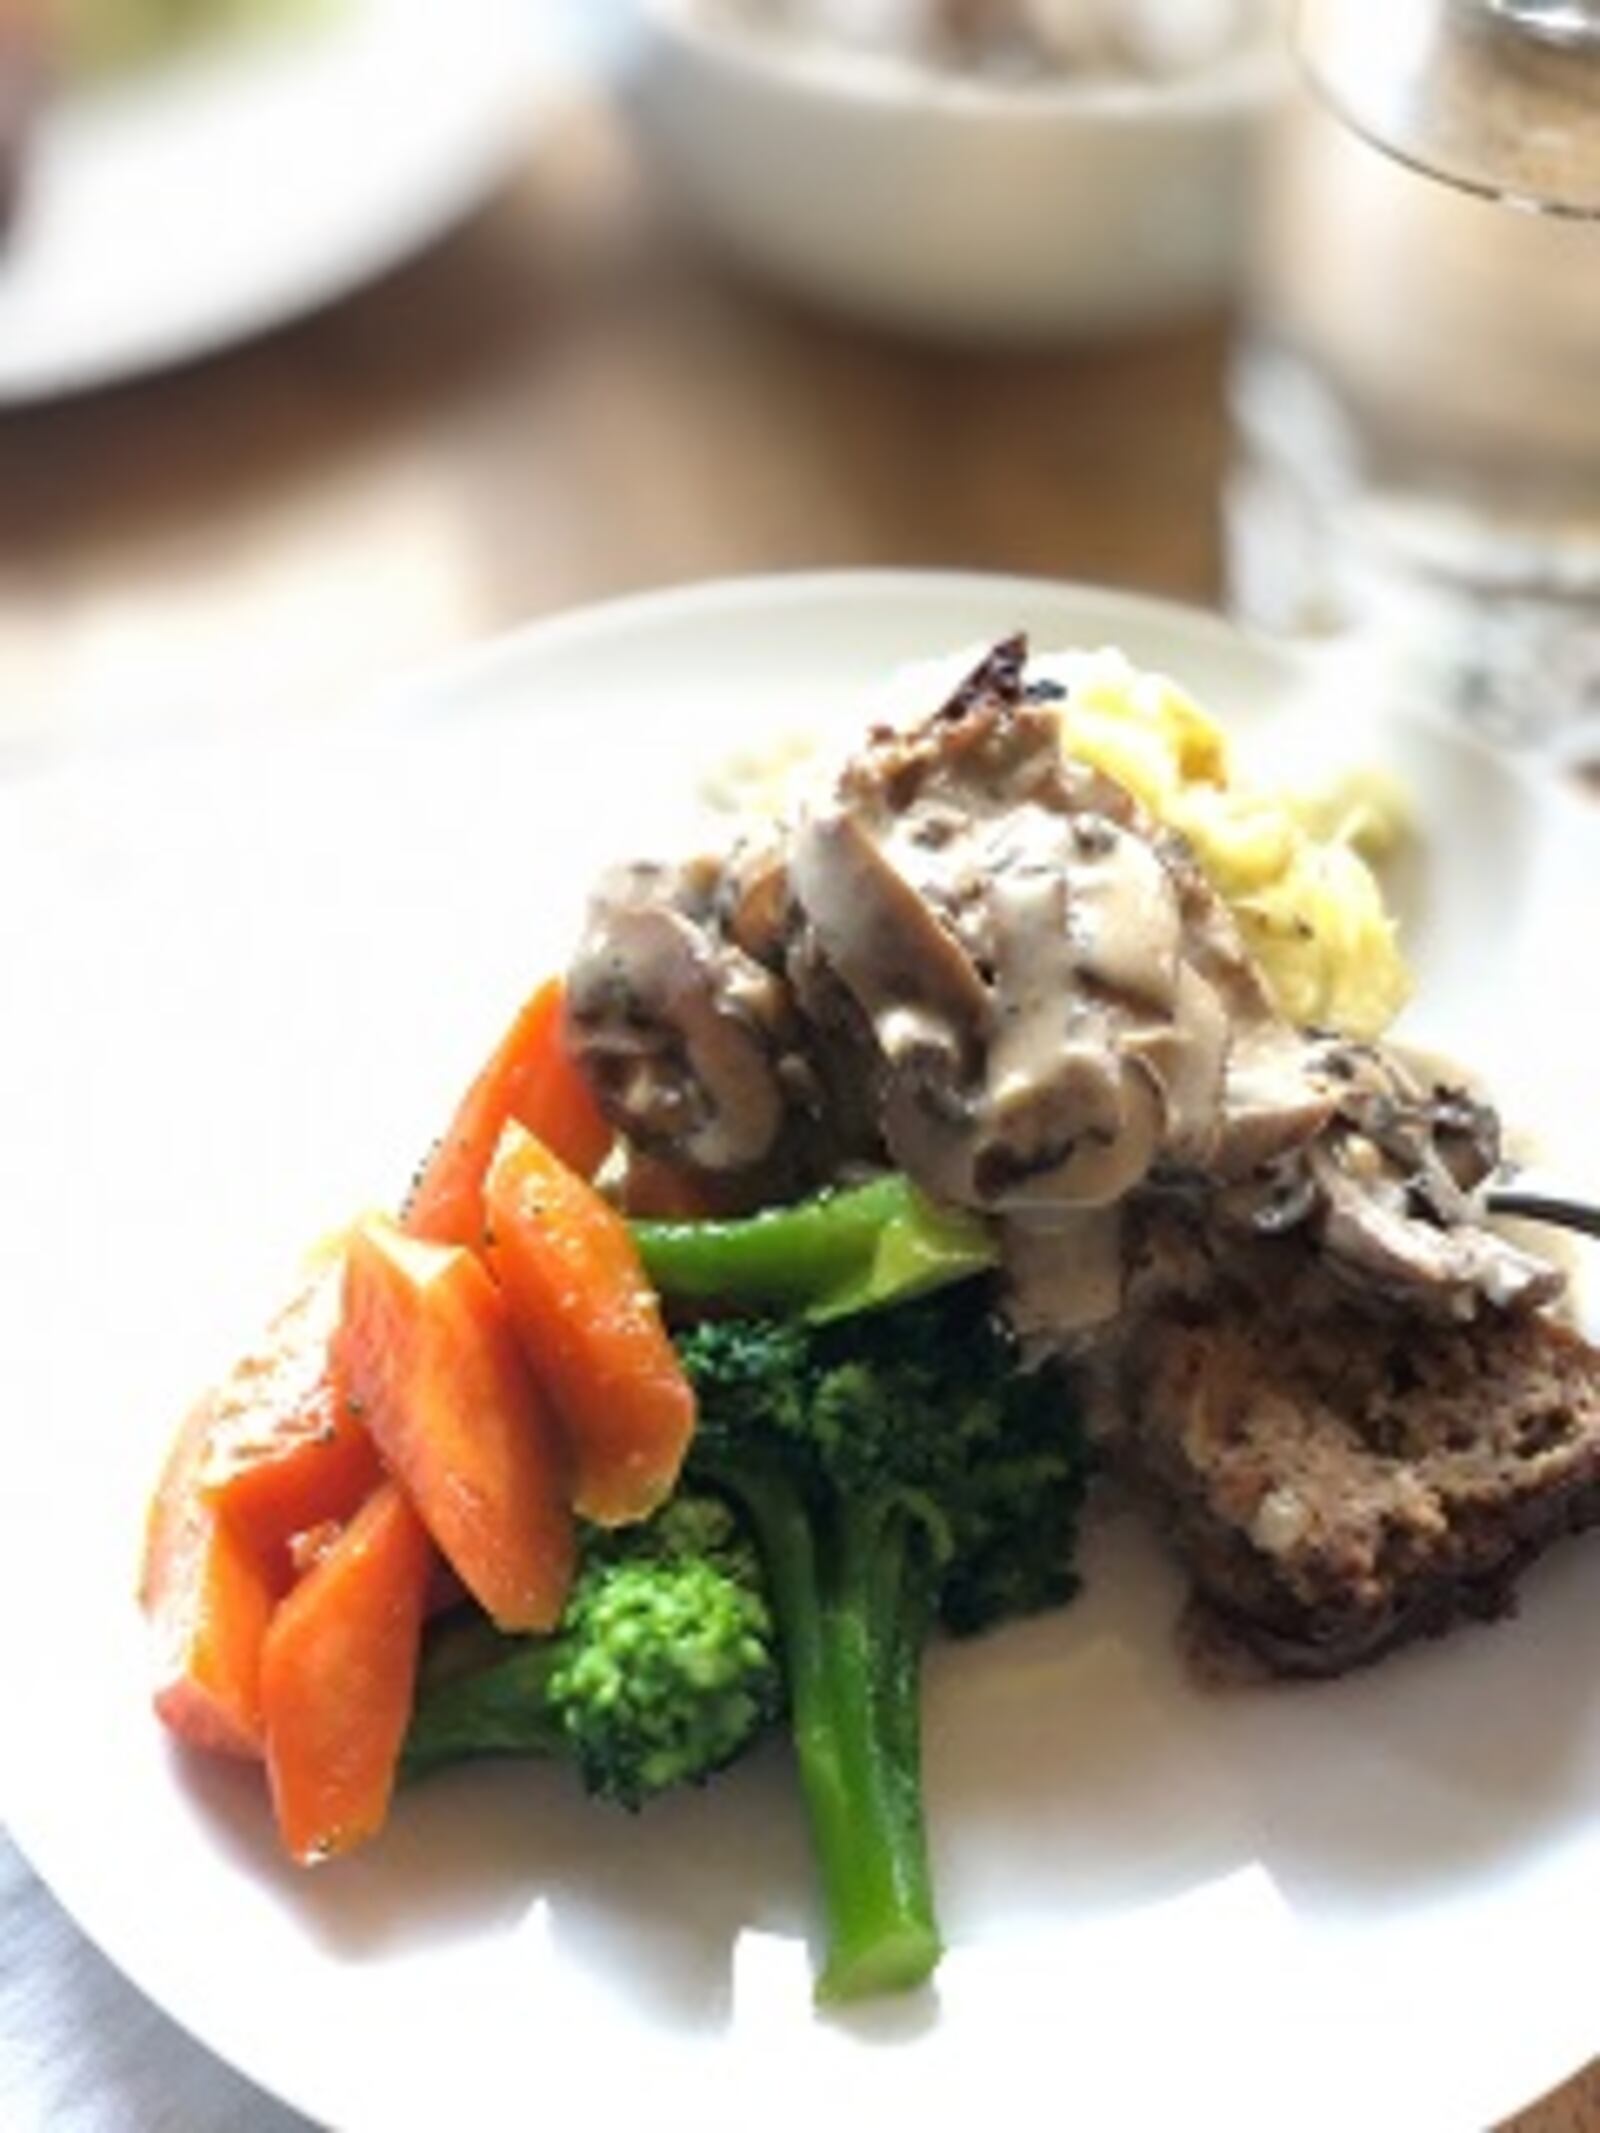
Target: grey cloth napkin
{"x":82,"y":2052}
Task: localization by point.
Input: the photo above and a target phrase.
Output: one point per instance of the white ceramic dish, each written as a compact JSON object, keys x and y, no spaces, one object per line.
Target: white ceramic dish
{"x":207,"y":199}
{"x":967,"y":211}
{"x":241,"y":987}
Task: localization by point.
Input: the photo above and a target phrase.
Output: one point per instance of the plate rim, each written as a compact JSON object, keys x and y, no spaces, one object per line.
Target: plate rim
{"x":310,"y":286}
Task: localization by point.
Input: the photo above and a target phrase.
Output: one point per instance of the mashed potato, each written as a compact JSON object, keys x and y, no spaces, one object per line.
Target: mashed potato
{"x":1293,"y":866}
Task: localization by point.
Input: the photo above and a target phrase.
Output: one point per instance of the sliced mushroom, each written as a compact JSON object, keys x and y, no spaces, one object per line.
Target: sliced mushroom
{"x":1187,"y":1054}
{"x":1274,"y":1101}
{"x":676,"y":1031}
{"x":1067,"y":1118}
{"x":754,"y":904}
{"x":1369,"y":1237}
{"x":906,"y":971}
{"x":1125,"y":919}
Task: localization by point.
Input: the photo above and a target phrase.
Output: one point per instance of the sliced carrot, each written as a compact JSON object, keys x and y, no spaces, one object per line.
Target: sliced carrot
{"x":591,"y":1326}
{"x":207,"y":1600}
{"x":530,"y":1077}
{"x":337,"y":1677}
{"x":286,"y":1453}
{"x":428,"y":1355}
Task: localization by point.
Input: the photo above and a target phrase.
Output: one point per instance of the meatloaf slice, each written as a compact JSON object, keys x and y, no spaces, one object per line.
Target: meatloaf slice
{"x":1338,"y":1480}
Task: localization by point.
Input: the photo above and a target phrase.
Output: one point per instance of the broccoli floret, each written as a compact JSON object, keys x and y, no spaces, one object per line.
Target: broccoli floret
{"x":897,"y":1469}
{"x":663,"y":1669}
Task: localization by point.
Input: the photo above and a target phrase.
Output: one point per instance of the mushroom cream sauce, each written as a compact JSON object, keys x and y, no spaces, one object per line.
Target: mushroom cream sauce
{"x":1040,"y":945}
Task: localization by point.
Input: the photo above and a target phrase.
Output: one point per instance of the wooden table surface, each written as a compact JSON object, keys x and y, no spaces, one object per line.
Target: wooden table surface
{"x":565,"y":400}
{"x":562,"y":402}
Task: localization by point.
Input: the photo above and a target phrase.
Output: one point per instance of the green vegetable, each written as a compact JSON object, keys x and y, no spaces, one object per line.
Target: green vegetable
{"x":897,"y":1470}
{"x":829,"y":1257}
{"x":850,"y":1486}
{"x":663,"y":1669}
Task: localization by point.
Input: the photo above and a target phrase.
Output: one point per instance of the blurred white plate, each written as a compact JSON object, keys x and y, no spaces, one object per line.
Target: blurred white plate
{"x":241,"y":987}
{"x":206,"y":199}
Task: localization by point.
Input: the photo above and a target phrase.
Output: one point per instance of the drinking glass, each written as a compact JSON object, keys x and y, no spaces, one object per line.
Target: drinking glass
{"x":1417,"y":385}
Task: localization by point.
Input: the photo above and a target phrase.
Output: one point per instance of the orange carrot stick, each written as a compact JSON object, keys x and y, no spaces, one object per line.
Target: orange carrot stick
{"x":286,"y":1453}
{"x":337,"y":1676}
{"x":207,"y":1599}
{"x":591,"y":1327}
{"x":530,"y":1077}
{"x":427,"y":1354}
{"x":209,"y":1580}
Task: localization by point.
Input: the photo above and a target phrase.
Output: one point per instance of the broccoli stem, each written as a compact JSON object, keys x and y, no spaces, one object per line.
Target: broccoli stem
{"x":498,"y":1706}
{"x":663,"y":1668}
{"x":823,"y":1258}
{"x":852,"y":1608}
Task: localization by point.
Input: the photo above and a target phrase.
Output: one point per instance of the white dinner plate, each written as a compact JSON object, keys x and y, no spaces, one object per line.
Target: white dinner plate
{"x":207,"y":198}
{"x":242,"y":987}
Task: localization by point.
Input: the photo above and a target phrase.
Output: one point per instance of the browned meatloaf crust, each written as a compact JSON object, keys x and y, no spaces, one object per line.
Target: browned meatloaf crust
{"x":1337,"y":1481}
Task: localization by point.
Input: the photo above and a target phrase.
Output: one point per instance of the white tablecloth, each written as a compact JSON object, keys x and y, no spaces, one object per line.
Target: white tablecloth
{"x":82,"y":2052}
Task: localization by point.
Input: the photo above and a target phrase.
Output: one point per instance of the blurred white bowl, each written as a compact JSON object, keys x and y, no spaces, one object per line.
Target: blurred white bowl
{"x":951,"y":206}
